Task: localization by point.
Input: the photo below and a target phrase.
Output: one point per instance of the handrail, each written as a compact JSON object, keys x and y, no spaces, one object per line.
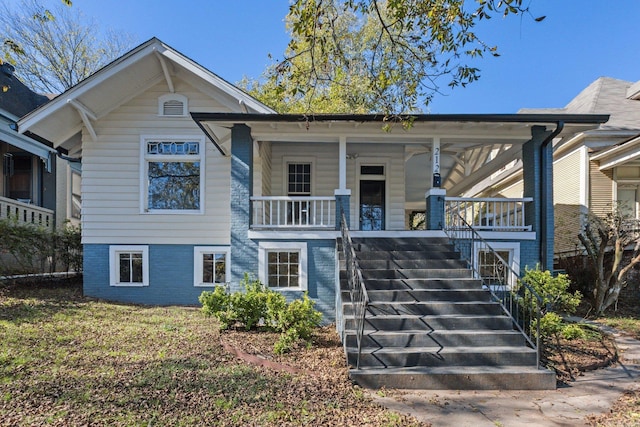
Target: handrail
{"x":357,"y":289}
{"x":518,"y":300}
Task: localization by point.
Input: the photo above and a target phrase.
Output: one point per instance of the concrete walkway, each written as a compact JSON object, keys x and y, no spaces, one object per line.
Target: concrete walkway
{"x":592,"y":393}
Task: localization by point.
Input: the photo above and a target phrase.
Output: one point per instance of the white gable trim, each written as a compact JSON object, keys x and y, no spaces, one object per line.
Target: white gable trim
{"x":165,"y":59}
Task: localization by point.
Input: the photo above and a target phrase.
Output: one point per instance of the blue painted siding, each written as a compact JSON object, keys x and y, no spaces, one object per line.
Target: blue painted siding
{"x":171,"y":276}
{"x":321,"y":277}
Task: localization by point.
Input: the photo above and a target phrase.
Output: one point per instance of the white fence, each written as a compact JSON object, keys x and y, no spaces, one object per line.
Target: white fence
{"x":497,"y":214}
{"x":26,"y":213}
{"x":293,"y":212}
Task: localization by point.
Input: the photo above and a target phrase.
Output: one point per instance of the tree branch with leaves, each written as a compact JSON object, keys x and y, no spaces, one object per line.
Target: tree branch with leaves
{"x":379,"y":55}
{"x":53,"y":49}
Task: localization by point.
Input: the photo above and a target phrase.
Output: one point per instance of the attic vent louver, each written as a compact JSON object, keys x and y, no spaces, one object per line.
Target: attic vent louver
{"x":172,"y":104}
{"x":173,"y":108}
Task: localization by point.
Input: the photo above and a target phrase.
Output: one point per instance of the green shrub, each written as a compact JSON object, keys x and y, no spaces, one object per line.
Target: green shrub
{"x":217,"y":303}
{"x":286,"y":342}
{"x":259,"y":306}
{"x":550,"y":325}
{"x":554,"y":291}
{"x":573,"y":331}
{"x":27,"y":248}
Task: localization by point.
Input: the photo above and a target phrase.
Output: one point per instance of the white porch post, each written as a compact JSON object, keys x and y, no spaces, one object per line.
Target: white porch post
{"x":342,"y":193}
{"x":342,"y":163}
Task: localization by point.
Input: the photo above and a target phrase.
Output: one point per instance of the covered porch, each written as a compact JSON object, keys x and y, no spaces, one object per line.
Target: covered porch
{"x":393,"y":176}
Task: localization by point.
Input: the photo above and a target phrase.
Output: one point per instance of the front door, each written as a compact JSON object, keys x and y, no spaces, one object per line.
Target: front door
{"x":372,"y":205}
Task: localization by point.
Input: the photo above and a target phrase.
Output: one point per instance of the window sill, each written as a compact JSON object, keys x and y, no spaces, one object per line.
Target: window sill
{"x":129,"y":285}
{"x":173,"y":212}
{"x":287,"y":289}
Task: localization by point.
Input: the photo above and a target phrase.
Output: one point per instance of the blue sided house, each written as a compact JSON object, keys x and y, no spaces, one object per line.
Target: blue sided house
{"x":189,"y":183}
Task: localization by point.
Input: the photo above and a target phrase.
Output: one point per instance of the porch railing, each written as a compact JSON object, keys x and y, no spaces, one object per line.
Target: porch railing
{"x":497,"y":214}
{"x":357,"y":289}
{"x":26,"y":213}
{"x":517,"y":299}
{"x":293,"y":212}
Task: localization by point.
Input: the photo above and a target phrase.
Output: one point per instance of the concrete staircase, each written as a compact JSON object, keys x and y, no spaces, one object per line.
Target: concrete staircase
{"x":430,"y":324}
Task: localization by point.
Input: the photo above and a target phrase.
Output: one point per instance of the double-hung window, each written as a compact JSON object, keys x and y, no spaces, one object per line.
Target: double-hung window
{"x":173,"y":174}
{"x":211,"y":265}
{"x":283,"y":265}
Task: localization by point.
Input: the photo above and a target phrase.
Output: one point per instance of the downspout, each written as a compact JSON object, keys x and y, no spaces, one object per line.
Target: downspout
{"x":67,"y":158}
{"x":546,"y":198}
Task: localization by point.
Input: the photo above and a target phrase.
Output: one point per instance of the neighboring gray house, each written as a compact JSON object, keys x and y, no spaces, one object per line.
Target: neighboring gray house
{"x":28,"y":169}
{"x":593,"y":171}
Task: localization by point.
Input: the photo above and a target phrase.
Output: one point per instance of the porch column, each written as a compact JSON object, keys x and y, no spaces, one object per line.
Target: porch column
{"x":435,"y":163}
{"x":244,"y":252}
{"x":537,"y":168}
{"x":342,"y":193}
{"x":434,"y":215}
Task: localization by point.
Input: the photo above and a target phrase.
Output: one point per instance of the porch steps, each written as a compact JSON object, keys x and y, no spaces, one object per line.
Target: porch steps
{"x":430,"y":325}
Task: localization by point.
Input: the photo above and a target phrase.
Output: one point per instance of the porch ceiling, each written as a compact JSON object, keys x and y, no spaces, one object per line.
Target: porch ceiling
{"x":472,"y":146}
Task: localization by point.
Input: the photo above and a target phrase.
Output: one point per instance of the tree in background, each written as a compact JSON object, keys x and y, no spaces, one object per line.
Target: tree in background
{"x":53,"y":50}
{"x":605,"y":241}
{"x":377,"y":55}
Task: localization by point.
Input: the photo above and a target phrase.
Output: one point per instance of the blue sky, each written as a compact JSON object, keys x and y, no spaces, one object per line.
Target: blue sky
{"x":541,"y":64}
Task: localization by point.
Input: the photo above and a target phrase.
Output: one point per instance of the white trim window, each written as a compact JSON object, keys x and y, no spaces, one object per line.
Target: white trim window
{"x":172,"y":174}
{"x":491,"y":268}
{"x":211,"y":265}
{"x":128,"y":265}
{"x":283,"y":265}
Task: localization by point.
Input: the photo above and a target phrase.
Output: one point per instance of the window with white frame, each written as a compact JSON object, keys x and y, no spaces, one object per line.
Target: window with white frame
{"x":211,"y":265}
{"x":172,"y":104}
{"x":283,"y":265}
{"x":501,"y":266}
{"x":299,"y":179}
{"x":129,"y":265}
{"x":173,"y":174}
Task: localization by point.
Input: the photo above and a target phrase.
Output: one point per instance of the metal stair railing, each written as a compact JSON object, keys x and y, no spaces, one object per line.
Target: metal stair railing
{"x":517,"y":299}
{"x":357,"y":290}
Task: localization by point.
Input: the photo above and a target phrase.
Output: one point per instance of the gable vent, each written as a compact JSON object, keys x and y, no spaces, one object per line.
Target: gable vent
{"x":173,"y":108}
{"x":173,"y":105}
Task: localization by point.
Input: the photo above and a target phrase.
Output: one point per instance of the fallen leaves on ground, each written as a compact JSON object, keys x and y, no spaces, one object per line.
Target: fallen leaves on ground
{"x":69,"y":360}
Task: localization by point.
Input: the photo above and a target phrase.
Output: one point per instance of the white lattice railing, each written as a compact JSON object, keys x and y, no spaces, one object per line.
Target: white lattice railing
{"x":26,"y":213}
{"x":293,"y":212}
{"x":497,"y":214}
